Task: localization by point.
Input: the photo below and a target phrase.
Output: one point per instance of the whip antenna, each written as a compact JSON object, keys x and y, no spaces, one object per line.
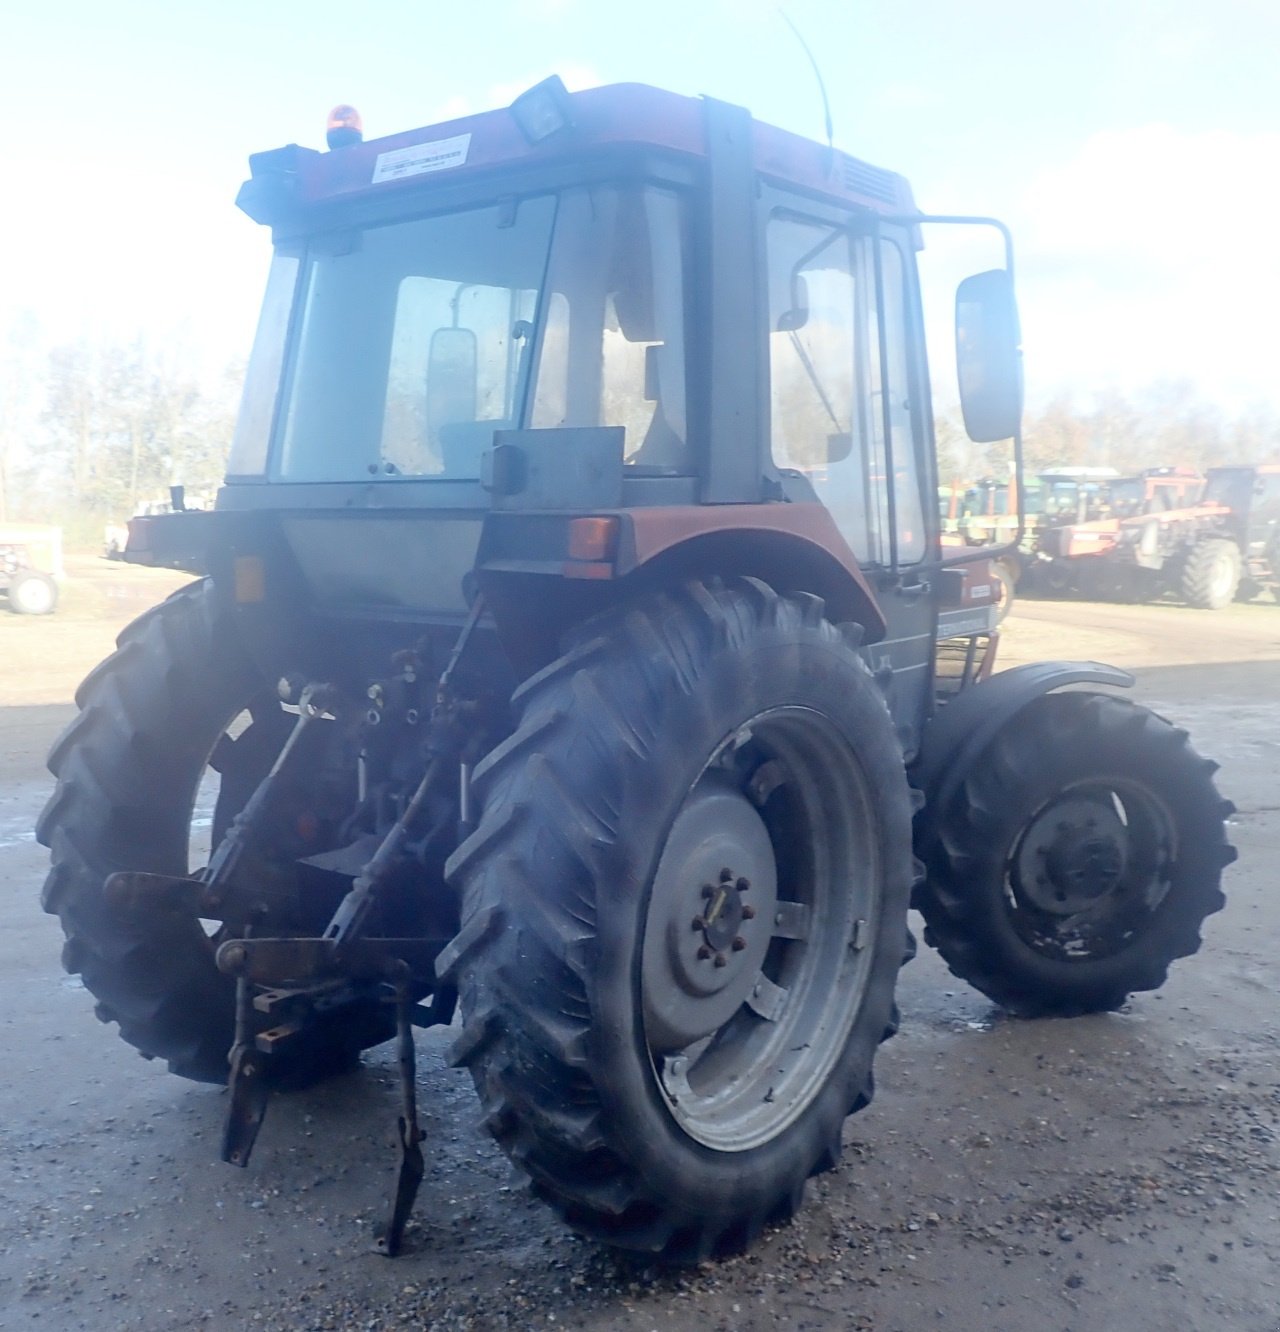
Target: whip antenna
{"x":817,"y":74}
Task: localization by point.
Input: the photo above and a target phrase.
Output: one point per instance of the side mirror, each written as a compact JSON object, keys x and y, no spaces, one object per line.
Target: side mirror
{"x":451,"y":377}
{"x":988,"y":356}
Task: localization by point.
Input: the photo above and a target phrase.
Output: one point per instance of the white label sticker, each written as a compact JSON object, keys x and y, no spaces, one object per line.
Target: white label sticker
{"x":420,"y":158}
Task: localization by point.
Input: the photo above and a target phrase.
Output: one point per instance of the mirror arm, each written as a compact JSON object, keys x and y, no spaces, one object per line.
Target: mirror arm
{"x":1019,"y":490}
{"x":974,"y":220}
{"x":958,"y":220}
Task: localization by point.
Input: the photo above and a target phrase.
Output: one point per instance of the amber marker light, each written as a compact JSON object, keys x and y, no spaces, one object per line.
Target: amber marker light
{"x":592,"y":538}
{"x":344,"y":127}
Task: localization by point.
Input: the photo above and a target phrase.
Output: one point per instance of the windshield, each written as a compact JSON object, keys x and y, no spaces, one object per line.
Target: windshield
{"x":415,"y":341}
{"x":1230,"y":486}
{"x":1127,"y":496}
{"x":1061,"y":497}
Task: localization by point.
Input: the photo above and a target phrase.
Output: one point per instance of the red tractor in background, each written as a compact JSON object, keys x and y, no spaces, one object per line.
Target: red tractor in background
{"x":1208,"y":542}
{"x":575,"y":651}
{"x":1068,"y":515}
{"x":1071,"y":552}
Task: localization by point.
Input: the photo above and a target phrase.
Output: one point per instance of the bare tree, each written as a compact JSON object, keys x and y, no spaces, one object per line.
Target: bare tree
{"x":123,"y":422}
{"x":19,"y":411}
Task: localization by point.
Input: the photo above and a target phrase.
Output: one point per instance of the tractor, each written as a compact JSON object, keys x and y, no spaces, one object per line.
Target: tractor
{"x":30,"y":567}
{"x":575,"y":661}
{"x":1092,"y":553}
{"x":1212,"y":550}
{"x":1236,"y":549}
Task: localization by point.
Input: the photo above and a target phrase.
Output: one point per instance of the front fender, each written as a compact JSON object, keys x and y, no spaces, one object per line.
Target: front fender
{"x":955,"y":737}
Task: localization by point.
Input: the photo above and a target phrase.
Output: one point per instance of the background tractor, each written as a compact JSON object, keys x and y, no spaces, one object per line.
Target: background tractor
{"x":1077,"y":552}
{"x":576,"y":653}
{"x":30,"y":567}
{"x":1209,"y":543}
{"x":1025,"y":515}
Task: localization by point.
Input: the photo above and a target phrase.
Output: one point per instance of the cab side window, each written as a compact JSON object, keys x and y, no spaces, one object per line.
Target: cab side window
{"x":892,"y":404}
{"x":837,"y":403}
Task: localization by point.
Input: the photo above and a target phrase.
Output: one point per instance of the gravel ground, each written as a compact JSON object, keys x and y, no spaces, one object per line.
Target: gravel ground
{"x":1110,"y":1172}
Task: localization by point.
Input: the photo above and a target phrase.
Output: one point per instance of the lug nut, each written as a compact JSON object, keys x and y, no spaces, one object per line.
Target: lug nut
{"x":742,"y":885}
{"x":721,"y":960}
{"x":699,"y":923}
{"x":707,"y":890}
{"x":748,"y":913}
{"x":726,"y":875}
{"x":739,"y":944}
{"x":703,"y":952}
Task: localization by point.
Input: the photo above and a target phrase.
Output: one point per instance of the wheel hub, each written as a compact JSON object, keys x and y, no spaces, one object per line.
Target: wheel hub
{"x":1073,"y":854}
{"x":710,"y":917}
{"x":725,"y":910}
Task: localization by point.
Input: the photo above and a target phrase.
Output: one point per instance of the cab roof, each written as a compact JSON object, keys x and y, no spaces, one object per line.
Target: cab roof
{"x":625,"y":115}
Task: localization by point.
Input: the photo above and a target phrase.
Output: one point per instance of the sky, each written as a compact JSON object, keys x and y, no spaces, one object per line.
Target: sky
{"x":1132,"y":145}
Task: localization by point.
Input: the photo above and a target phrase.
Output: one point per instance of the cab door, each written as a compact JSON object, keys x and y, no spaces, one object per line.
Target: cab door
{"x":847,"y":414}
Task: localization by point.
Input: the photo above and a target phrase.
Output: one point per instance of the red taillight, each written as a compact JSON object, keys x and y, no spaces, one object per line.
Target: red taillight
{"x":592,"y":538}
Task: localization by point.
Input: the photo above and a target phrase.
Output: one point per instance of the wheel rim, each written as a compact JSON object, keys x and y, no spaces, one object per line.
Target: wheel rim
{"x":1220,"y":577}
{"x":210,"y":815}
{"x":1090,"y":868}
{"x":34,"y":596}
{"x":201,"y":839}
{"x":1006,"y":582}
{"x":749,"y":990}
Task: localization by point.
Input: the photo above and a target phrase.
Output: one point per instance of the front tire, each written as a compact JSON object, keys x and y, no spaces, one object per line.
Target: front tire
{"x":1078,"y":859}
{"x":683,"y":913}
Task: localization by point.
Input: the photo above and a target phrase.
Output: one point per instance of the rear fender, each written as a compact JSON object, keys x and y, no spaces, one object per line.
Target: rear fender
{"x":535,"y":591}
{"x":955,"y":737}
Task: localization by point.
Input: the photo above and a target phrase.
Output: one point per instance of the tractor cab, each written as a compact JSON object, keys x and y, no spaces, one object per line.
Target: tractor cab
{"x":1252,"y":497}
{"x":636,"y":335}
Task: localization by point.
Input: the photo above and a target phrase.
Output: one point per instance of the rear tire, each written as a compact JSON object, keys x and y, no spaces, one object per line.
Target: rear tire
{"x":128,"y":768}
{"x":668,"y":1068}
{"x":1211,"y":574}
{"x":1078,"y":859}
{"x":32,"y":593}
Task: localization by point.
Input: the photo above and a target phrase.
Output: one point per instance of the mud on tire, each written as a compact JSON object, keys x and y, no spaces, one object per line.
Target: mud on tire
{"x":572,"y":957}
{"x":1078,"y":859}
